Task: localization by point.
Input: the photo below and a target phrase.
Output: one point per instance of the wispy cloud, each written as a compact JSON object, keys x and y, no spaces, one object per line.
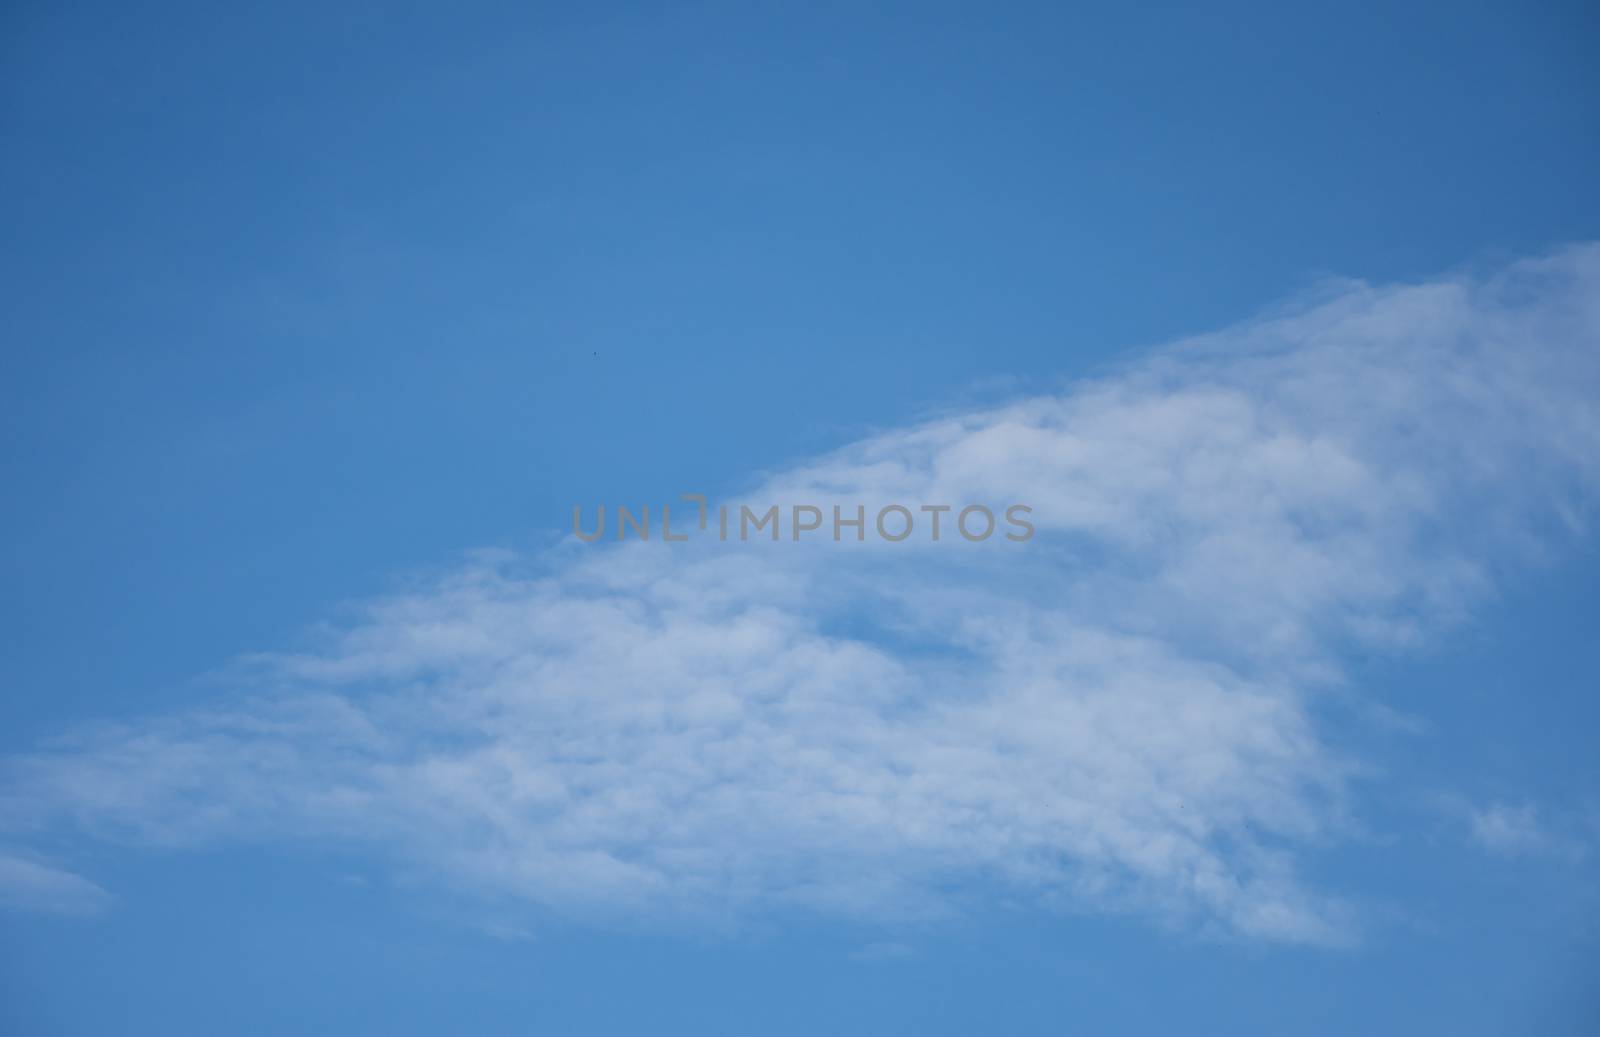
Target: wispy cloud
{"x":1508,"y":828}
{"x":27,"y":884}
{"x":1115,"y":717}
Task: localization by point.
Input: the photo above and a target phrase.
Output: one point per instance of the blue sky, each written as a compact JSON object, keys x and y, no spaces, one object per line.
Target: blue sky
{"x":319,"y":322}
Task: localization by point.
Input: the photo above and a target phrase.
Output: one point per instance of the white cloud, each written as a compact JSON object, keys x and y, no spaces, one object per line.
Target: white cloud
{"x":29,"y":885}
{"x":1508,"y":828}
{"x":1113,"y":717}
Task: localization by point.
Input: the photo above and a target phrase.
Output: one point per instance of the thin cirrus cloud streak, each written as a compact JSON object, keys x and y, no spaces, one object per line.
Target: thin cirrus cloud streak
{"x":1115,"y":716}
{"x":27,"y":884}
